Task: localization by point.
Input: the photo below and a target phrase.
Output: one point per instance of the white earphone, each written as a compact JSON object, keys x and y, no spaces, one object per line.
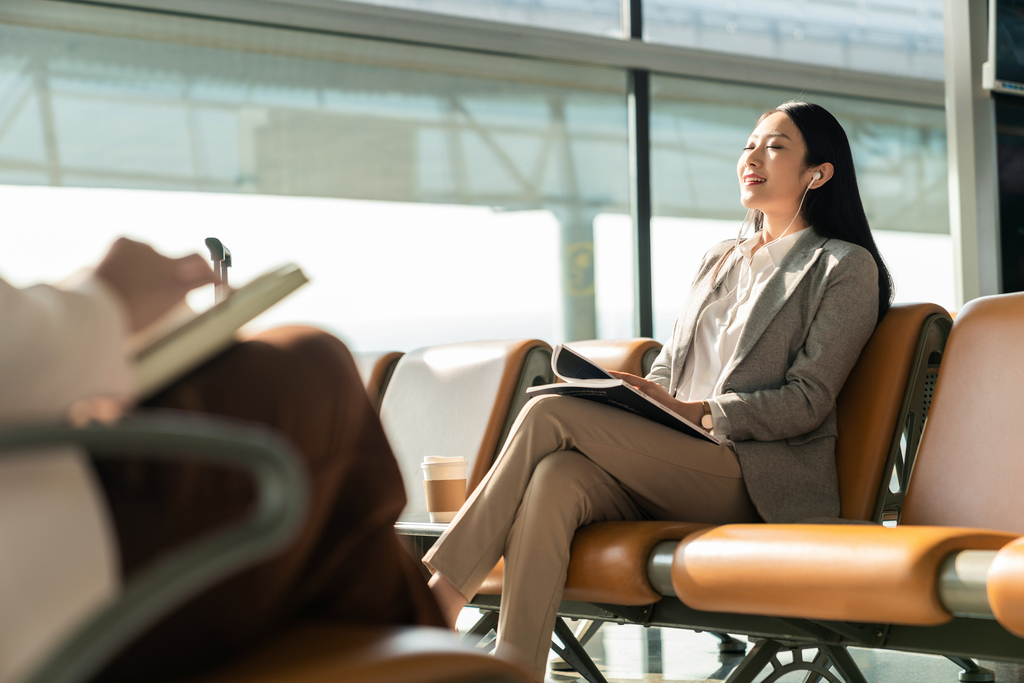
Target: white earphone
{"x":816,"y":177}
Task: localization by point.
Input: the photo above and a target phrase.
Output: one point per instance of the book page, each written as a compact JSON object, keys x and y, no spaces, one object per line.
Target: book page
{"x":177,"y":317}
{"x":571,"y":366}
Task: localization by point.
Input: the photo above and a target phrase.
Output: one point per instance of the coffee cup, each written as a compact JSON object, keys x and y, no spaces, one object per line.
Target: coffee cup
{"x":444,"y":484}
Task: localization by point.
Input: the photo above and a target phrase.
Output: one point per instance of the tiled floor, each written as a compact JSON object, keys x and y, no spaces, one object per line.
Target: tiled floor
{"x":633,"y":653}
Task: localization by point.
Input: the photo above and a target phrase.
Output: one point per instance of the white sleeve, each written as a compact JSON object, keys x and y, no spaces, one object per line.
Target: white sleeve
{"x":59,"y":345}
{"x":719,"y":421}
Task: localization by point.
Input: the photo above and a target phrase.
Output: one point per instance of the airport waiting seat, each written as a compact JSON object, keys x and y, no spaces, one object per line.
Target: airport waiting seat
{"x":953,"y":557}
{"x":309,"y":651}
{"x":880,"y":410}
{"x":459,"y":400}
{"x":375,"y":369}
{"x":884,"y":389}
{"x":635,"y":356}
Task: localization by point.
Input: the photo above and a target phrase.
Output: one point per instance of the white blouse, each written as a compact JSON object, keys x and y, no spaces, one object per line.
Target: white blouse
{"x":721,"y":323}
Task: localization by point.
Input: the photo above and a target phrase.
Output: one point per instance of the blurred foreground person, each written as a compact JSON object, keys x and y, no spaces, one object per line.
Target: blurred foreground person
{"x":63,"y":352}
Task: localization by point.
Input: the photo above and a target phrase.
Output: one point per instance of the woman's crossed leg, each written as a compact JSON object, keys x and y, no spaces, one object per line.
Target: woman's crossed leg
{"x":567,"y":463}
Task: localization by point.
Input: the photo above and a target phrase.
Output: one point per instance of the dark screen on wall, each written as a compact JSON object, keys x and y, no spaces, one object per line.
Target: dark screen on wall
{"x":1010,"y":155}
{"x":1010,"y":41}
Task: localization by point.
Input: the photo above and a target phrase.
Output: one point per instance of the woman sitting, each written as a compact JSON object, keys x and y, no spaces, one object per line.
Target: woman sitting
{"x":773,"y":326}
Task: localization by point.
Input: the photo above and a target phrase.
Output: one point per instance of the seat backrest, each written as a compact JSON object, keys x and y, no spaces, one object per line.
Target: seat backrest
{"x":458,"y":400}
{"x":881,"y":408}
{"x":971,"y":463}
{"x":375,"y":369}
{"x":635,"y":356}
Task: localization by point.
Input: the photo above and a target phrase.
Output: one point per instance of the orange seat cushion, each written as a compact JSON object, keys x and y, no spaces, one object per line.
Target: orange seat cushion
{"x":608,"y":562}
{"x":813,"y":571}
{"x":330,"y":653}
{"x":1006,"y":587}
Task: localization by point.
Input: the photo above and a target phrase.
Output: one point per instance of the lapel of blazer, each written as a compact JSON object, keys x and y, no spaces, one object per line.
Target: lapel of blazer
{"x":777,"y":291}
{"x":694,"y":307}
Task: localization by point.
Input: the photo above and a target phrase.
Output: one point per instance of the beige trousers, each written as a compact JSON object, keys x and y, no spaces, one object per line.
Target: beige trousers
{"x":569,"y":462}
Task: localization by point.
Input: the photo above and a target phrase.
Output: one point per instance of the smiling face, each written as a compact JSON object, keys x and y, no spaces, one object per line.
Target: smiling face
{"x":771,"y":168}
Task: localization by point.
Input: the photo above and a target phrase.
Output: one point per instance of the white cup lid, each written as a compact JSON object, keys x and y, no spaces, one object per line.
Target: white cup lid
{"x":441,"y":460}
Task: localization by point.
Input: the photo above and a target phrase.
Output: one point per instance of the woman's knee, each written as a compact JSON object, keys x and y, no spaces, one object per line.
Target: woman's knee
{"x":539,"y":404}
{"x":556,"y":495}
{"x":559,"y":475}
{"x":536,"y":411}
{"x":548,"y":407}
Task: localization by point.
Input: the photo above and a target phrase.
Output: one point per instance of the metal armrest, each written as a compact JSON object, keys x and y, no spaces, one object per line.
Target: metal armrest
{"x":280,"y":509}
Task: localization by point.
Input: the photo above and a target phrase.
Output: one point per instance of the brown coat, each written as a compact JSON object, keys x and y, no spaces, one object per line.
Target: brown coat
{"x":347,"y":564}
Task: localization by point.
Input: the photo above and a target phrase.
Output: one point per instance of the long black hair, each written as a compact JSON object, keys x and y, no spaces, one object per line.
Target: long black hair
{"x":834,"y":209}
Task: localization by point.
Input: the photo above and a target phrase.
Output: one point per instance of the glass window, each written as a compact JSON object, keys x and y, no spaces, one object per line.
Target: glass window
{"x":896,"y":37}
{"x":432,"y":197}
{"x":600,"y":17}
{"x":697,"y":132}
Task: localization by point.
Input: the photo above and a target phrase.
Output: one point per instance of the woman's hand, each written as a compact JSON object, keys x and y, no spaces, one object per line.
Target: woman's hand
{"x":101,"y":410}
{"x":149,"y":283}
{"x":691,"y":410}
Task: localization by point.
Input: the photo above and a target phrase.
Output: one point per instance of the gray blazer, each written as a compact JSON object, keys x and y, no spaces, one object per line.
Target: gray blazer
{"x":803,"y":337}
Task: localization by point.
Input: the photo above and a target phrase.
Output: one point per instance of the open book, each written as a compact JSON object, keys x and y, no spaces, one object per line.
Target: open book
{"x":183,"y":340}
{"x":584,"y":379}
